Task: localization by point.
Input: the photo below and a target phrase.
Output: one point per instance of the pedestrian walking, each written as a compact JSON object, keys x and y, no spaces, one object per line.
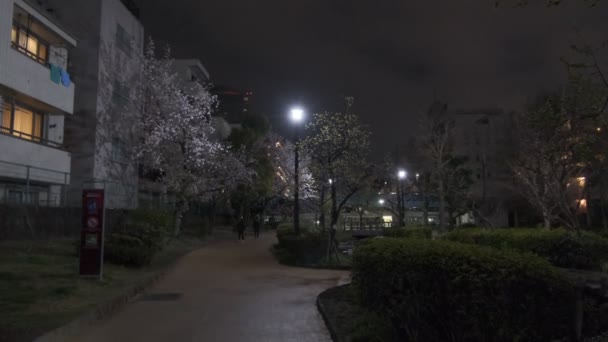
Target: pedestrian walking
{"x":257,"y":223}
{"x":240,"y":228}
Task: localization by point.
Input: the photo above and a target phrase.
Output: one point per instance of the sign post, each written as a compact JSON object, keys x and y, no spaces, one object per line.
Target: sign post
{"x":92,"y":233}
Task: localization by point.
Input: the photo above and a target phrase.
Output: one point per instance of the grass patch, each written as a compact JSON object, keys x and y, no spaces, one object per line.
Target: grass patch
{"x":40,"y":288}
{"x":349,"y":321}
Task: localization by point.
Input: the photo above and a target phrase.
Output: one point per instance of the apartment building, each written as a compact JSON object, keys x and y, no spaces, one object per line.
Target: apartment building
{"x":108,"y":57}
{"x":36,"y":99}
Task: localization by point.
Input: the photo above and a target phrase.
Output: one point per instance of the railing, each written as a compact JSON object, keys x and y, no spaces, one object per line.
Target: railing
{"x":365,"y":223}
{"x":28,"y":137}
{"x":27,"y":184}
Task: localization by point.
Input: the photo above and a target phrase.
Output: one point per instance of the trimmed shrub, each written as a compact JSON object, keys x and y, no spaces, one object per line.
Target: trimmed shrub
{"x":446,"y":291}
{"x":309,"y":248}
{"x":560,"y":247}
{"x":136,"y":240}
{"x":409,"y":232}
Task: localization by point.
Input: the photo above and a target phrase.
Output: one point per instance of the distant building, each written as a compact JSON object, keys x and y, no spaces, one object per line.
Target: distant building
{"x":36,"y":97}
{"x":233,"y":104}
{"x":484,"y":137}
{"x":191,"y":71}
{"x":111,"y":47}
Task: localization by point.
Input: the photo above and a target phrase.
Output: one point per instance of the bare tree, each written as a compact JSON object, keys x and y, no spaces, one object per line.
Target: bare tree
{"x":435,"y":145}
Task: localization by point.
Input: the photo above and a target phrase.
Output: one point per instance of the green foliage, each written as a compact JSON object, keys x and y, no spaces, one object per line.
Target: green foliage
{"x":560,"y":247}
{"x":253,"y":127}
{"x":409,"y":232}
{"x":446,"y":291}
{"x":371,"y":328}
{"x":307,"y":249}
{"x":197,"y":224}
{"x":158,"y":219}
{"x":136,"y":240}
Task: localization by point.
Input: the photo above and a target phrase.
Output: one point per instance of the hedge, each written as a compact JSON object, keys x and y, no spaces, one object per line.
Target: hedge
{"x":560,"y":247}
{"x":136,"y":240}
{"x":409,"y":232}
{"x":446,"y":291}
{"x":308,"y":248}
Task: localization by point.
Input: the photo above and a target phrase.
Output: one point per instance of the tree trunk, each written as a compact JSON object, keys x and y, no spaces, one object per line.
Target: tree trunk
{"x":334,"y":206}
{"x":425,"y":209}
{"x":603,"y":204}
{"x":322,"y":208}
{"x":546,"y":220}
{"x":180,"y":210}
{"x":450,"y":218}
{"x":441,"y":205}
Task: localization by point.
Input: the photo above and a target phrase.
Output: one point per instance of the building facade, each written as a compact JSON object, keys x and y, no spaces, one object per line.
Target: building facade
{"x":484,"y":137}
{"x":107,"y":60}
{"x":36,"y":99}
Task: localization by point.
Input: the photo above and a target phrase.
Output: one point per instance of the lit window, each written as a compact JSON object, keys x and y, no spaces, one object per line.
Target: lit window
{"x":6,"y":119}
{"x":32,"y":45}
{"x":42,"y":52}
{"x":22,"y":38}
{"x":26,"y":42}
{"x":22,"y":123}
{"x":14,"y":35}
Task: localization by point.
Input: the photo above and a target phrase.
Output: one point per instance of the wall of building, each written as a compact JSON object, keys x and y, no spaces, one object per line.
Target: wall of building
{"x":122,"y":41}
{"x":55,"y":162}
{"x":100,"y":61}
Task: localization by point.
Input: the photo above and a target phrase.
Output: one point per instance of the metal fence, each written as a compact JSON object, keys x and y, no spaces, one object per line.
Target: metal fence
{"x":31,"y":185}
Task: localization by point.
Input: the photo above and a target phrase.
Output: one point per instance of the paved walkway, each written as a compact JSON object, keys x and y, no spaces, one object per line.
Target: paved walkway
{"x":226,"y":292}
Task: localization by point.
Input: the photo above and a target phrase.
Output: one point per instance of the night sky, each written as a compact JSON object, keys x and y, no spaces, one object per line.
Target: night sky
{"x":391,"y":55}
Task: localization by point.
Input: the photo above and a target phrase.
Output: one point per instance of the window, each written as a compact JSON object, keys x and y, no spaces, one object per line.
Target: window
{"x":120,"y":94}
{"x":119,"y":150}
{"x":29,"y":44}
{"x":21,"y":122}
{"x":123,"y":41}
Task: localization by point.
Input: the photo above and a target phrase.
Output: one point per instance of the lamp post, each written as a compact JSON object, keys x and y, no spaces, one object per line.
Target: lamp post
{"x":401,"y":175}
{"x":297,"y":115}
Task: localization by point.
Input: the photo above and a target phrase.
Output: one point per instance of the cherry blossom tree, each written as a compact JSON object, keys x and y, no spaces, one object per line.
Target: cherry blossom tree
{"x":152,"y":124}
{"x":177,"y":136}
{"x":337,"y":145}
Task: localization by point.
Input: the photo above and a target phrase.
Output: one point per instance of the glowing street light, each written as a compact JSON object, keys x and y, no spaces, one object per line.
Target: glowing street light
{"x":296,"y":116}
{"x":381,"y":201}
{"x":401,"y":174}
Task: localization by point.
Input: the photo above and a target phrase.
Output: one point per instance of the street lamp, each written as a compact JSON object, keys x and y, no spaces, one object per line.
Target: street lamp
{"x":297,"y":116}
{"x":381,"y":201}
{"x":402,"y":175}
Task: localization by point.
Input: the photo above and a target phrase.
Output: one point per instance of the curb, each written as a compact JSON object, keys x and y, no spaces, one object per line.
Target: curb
{"x":105,"y":309}
{"x":321,"y":308}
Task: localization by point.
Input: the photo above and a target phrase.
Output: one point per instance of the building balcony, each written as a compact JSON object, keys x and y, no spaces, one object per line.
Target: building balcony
{"x":32,"y":46}
{"x":32,"y":79}
{"x":38,"y":161}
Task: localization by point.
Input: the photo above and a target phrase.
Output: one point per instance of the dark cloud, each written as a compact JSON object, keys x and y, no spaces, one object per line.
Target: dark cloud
{"x":392,"y":55}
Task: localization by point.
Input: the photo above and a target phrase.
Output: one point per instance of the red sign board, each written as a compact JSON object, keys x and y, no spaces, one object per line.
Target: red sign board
{"x":91,"y":233}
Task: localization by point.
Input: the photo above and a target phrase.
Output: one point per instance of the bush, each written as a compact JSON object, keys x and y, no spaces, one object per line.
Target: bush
{"x":307,"y":249}
{"x":446,"y":291}
{"x":409,"y":232}
{"x":560,"y":247}
{"x":136,"y":240}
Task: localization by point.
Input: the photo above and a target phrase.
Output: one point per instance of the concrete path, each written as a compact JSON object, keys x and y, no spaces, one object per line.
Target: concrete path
{"x":226,"y":292}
